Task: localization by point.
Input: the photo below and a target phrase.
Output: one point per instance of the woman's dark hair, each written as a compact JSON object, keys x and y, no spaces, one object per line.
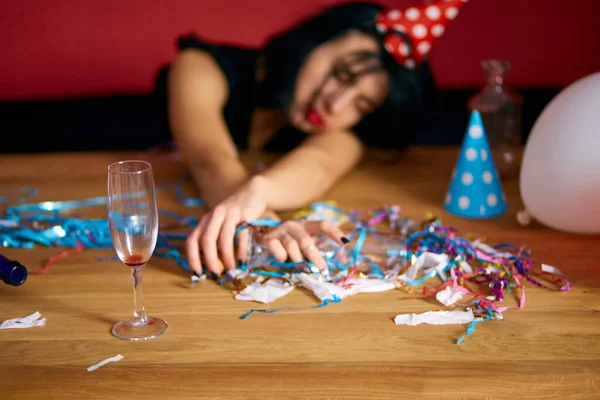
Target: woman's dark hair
{"x":394,"y":125}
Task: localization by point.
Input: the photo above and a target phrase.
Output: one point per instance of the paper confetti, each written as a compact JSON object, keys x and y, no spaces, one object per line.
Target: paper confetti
{"x":21,"y":323}
{"x":436,"y":318}
{"x":265,"y":292}
{"x":386,"y":251}
{"x":449,"y":295}
{"x":116,"y":358}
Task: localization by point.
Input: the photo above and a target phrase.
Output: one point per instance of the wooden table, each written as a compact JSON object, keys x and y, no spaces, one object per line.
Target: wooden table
{"x":549,"y":349}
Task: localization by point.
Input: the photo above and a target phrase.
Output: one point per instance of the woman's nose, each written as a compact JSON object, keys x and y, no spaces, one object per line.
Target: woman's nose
{"x":339,"y":100}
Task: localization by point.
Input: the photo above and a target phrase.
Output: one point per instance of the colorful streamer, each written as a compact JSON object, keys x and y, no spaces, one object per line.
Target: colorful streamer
{"x":408,"y":255}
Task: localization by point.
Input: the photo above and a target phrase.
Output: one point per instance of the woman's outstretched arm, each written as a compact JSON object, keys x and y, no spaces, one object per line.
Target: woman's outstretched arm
{"x":310,"y":170}
{"x":298,"y":178}
{"x":198,"y":91}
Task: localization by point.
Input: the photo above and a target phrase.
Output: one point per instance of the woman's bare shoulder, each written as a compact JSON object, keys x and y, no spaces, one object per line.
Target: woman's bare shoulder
{"x":196,"y":72}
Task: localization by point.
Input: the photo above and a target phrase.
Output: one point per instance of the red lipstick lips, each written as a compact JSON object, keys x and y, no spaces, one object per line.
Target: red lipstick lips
{"x":314,"y":118}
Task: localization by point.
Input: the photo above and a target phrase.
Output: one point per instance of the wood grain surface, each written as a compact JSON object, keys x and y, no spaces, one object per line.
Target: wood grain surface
{"x":351,"y":350}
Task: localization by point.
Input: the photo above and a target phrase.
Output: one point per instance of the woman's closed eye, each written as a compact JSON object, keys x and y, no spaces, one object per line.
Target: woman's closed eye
{"x":365,"y":106}
{"x":344,"y":76}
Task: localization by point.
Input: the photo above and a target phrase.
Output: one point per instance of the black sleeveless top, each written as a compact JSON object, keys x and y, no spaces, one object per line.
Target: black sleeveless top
{"x":239,"y":66}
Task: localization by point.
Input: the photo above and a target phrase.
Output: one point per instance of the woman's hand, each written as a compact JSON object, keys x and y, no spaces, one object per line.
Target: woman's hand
{"x":214,"y":235}
{"x":295,"y":240}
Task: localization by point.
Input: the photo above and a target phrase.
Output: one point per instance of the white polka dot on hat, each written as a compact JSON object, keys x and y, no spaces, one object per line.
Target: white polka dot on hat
{"x":467,"y":178}
{"x":471,"y":154}
{"x":487,"y":177}
{"x":492,"y":200}
{"x":463,"y":202}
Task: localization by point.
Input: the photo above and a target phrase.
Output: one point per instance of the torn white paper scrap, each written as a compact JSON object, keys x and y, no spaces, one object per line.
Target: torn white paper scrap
{"x":436,"y":318}
{"x":551,"y":270}
{"x":372,"y":285}
{"x":449,"y":295}
{"x":465,"y":265}
{"x":265,"y":292}
{"x":116,"y":358}
{"x":27,"y":322}
{"x":492,"y":251}
{"x":429,"y":262}
{"x":320,"y":288}
{"x":326,"y":290}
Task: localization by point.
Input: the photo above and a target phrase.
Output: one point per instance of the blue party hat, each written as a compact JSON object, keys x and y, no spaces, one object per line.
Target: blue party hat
{"x":475,"y":189}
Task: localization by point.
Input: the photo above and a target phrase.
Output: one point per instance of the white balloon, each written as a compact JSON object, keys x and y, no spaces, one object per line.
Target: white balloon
{"x":560,"y":172}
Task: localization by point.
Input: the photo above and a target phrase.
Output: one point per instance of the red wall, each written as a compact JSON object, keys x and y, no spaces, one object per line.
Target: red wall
{"x":65,"y":48}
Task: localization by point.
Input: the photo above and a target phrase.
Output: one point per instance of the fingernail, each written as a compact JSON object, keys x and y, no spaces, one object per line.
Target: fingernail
{"x":240,"y":263}
{"x":214,"y":276}
{"x":345,"y":240}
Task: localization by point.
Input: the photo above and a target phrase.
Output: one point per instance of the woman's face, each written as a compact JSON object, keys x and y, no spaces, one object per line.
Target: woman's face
{"x":338,"y":84}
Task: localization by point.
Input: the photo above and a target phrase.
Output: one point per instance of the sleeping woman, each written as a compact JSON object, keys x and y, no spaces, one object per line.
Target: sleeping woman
{"x":349,"y":78}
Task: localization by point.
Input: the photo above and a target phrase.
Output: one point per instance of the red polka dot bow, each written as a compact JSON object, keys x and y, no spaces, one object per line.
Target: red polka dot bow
{"x":421,"y":24}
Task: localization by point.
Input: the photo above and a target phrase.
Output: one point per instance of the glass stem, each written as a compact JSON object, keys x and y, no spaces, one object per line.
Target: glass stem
{"x":139,"y":315}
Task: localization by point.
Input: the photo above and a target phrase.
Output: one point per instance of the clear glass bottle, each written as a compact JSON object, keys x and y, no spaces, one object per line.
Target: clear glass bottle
{"x":500,"y":108}
{"x":384,"y":251}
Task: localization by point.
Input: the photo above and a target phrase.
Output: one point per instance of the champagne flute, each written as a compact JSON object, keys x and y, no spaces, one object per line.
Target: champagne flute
{"x":133,"y":221}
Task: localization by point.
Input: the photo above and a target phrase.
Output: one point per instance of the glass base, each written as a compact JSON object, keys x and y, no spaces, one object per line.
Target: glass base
{"x":132,"y":329}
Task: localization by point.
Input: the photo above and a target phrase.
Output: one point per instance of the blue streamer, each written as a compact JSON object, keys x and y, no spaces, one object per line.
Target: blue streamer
{"x":91,"y":233}
{"x":69,"y":232}
{"x":272,"y":274}
{"x":187,"y":201}
{"x":267,"y":222}
{"x":471,"y":327}
{"x":56,"y":206}
{"x":334,"y":299}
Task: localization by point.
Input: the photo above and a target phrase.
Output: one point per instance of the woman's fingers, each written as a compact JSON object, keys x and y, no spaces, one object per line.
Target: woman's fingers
{"x":326,"y":227}
{"x":293,"y":240}
{"x":282,"y":246}
{"x":313,"y":254}
{"x":292,"y":248}
{"x":208,"y":241}
{"x":226,"y":238}
{"x":277,"y":250}
{"x":243,"y":237}
{"x":192,"y":245}
{"x":306,"y":244}
{"x":242,"y":245}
